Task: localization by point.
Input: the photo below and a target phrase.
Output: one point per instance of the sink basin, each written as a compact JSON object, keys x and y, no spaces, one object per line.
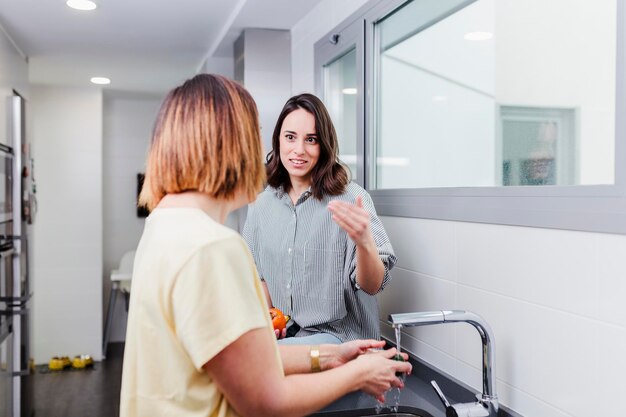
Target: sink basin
{"x":417,"y":399}
{"x":356,"y":413}
{"x":370,"y":412}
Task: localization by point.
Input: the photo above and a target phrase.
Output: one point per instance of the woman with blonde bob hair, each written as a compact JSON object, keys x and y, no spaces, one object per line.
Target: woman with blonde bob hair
{"x":199,"y":340}
{"x":211,"y":146}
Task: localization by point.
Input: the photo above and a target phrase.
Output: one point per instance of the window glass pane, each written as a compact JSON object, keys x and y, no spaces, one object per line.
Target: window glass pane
{"x":495,"y":93}
{"x":340,"y":97}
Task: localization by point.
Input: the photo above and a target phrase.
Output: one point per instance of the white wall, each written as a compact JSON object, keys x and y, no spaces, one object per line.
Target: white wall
{"x":67,"y":251}
{"x":219,"y":65}
{"x":262,"y":64}
{"x":554,"y":298}
{"x":13,"y":76}
{"x":127,"y":129}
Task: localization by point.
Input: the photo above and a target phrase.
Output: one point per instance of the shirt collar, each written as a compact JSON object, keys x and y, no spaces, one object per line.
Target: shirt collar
{"x":281,"y":193}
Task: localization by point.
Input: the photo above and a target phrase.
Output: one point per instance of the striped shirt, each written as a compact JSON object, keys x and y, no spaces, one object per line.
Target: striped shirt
{"x":309,"y":263}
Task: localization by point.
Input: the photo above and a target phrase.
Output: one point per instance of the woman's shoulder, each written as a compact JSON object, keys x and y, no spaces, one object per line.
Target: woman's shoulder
{"x":183,"y":233}
{"x":189,"y":224}
{"x":220,"y":240}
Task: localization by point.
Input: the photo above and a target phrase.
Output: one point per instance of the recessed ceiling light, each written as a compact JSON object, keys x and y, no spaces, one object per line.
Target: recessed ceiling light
{"x":478,"y":36}
{"x":100,"y":80}
{"x":81,"y":4}
{"x":349,"y":91}
{"x":440,"y":98}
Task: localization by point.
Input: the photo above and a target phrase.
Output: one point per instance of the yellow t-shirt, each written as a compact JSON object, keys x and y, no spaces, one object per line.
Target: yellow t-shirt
{"x":195,"y":291}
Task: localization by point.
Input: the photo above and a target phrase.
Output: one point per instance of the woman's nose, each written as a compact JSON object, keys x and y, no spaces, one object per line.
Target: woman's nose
{"x":299,"y":147}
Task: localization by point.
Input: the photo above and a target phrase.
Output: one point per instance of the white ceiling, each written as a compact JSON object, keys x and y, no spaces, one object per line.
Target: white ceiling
{"x":145,"y":46}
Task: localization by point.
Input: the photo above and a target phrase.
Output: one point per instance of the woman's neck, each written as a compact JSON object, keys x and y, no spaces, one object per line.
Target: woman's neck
{"x":217,"y":209}
{"x":298,"y":186}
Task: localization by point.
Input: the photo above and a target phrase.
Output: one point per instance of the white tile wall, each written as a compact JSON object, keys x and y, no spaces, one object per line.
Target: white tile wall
{"x":612,"y":279}
{"x":434,"y":294}
{"x":432,"y":253}
{"x":552,"y":267}
{"x":552,"y":297}
{"x":611,"y":363}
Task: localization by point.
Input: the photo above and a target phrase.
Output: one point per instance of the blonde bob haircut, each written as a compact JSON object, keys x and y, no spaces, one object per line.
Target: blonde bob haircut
{"x":206,"y":138}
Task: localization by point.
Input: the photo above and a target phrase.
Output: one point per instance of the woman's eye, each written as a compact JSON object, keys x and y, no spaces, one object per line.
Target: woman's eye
{"x":311,"y":139}
{"x":289,"y":137}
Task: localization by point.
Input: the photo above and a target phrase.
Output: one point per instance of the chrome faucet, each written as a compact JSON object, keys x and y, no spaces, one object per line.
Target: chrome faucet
{"x":486,"y":404}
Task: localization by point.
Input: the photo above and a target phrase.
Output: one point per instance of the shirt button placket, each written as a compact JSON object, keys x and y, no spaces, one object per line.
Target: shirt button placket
{"x":290,"y":251}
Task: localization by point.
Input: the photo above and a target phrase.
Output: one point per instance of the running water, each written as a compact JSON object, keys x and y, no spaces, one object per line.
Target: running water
{"x":398,"y":330}
{"x":392,"y":397}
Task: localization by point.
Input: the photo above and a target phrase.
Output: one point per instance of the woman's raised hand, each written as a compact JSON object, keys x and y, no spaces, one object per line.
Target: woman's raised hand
{"x":354,"y":219}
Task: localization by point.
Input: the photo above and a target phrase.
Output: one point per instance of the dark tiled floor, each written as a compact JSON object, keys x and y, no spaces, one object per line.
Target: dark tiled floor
{"x":84,"y":393}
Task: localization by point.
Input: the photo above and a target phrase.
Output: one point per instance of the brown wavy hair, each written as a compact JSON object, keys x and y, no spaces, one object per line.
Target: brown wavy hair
{"x":206,"y":138}
{"x":329,"y":176}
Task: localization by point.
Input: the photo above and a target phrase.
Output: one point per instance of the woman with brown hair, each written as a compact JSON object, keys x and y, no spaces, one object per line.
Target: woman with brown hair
{"x":320,"y":249}
{"x":199,"y":340}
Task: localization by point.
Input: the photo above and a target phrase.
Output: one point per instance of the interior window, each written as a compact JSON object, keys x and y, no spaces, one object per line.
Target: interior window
{"x":340,"y":96}
{"x":495,"y":93}
{"x":491,"y":111}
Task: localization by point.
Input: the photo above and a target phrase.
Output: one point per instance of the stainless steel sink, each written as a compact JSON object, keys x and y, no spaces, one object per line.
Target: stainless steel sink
{"x":338,"y":414}
{"x":369,"y":412}
{"x":359,"y":404}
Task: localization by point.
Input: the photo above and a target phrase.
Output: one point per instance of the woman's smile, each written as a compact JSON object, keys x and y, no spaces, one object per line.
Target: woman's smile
{"x":298,"y":163}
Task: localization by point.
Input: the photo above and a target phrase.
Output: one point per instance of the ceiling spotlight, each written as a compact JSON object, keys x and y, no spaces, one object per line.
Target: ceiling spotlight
{"x":100,"y":80}
{"x":478,"y":36}
{"x":350,"y":91}
{"x":81,"y":4}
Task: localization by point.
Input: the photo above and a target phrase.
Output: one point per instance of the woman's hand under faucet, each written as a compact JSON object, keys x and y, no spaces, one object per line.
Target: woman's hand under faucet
{"x":380,"y":372}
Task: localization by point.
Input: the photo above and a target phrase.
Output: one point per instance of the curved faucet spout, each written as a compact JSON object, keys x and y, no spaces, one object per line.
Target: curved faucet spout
{"x":489,"y":398}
